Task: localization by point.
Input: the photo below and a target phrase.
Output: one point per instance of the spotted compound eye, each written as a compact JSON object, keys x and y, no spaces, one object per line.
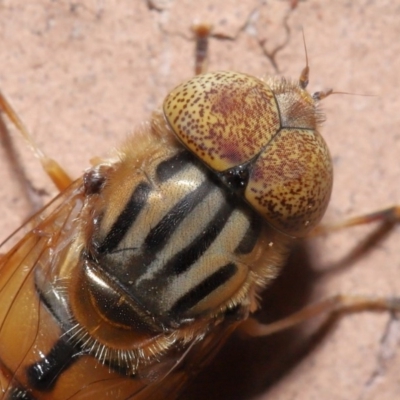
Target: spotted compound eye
{"x":261,"y":139}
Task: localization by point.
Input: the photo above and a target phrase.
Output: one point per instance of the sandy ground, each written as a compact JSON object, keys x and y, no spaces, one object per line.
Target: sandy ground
{"x":83,"y":76}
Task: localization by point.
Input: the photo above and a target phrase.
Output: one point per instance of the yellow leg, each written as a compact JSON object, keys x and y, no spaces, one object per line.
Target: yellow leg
{"x":56,"y":173}
{"x":389,"y":216}
{"x":338,"y":304}
{"x":201,"y":32}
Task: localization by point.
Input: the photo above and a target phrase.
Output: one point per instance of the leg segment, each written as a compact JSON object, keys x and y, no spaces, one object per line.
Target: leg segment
{"x":56,"y":173}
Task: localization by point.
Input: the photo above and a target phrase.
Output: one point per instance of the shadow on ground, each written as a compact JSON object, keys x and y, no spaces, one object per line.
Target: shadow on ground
{"x":245,"y":368}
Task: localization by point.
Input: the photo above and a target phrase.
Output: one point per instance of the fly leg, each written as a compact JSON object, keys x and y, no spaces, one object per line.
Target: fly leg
{"x":55,"y":172}
{"x":331,"y":306}
{"x":388,"y":216}
{"x":202,"y":33}
{"x":340,"y":303}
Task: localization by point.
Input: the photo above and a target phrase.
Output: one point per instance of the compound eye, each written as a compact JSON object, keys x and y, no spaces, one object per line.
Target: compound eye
{"x":290,"y":183}
{"x":224,"y":118}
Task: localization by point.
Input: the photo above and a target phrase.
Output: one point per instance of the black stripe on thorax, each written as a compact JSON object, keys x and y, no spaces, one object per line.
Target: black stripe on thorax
{"x":185,"y":258}
{"x":203,"y":289}
{"x":127,"y":217}
{"x":169,"y":168}
{"x":251,"y":236}
{"x":162,"y":232}
{"x":158,"y":237}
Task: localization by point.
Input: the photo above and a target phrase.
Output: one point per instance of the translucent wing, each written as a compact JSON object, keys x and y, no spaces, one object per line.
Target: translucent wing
{"x":23,"y":319}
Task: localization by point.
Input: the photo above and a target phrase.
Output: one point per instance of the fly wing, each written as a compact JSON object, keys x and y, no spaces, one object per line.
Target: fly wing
{"x":22,"y":318}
